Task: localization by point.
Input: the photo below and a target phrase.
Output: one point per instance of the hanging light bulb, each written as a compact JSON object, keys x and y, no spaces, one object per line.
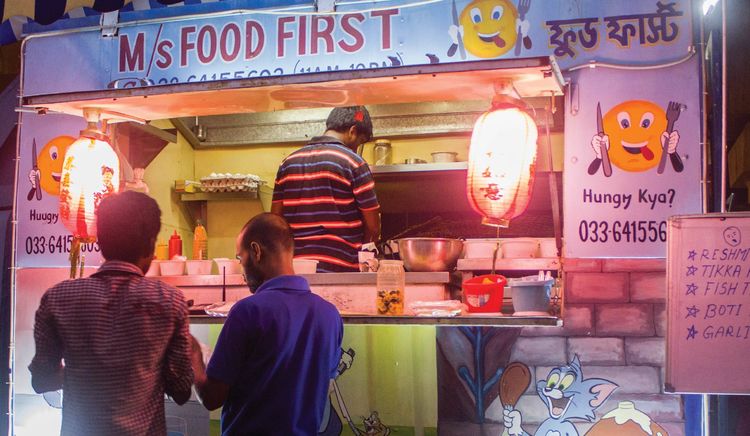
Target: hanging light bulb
{"x":502,"y":159}
{"x":91,"y":171}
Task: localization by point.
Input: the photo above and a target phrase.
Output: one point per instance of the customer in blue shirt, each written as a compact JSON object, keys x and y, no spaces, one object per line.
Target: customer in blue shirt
{"x":278,"y":348}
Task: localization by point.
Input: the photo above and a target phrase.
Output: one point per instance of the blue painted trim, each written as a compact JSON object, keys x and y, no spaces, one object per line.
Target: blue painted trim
{"x":166,"y":12}
{"x":693,"y":414}
{"x":62,"y":24}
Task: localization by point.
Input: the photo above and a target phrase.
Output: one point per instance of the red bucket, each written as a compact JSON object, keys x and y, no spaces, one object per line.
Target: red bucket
{"x":481,"y":296}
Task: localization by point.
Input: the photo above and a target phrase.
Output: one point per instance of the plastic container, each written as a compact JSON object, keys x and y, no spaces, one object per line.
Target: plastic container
{"x":198,"y":267}
{"x":175,"y":245}
{"x":390,"y":285}
{"x":383,"y":153}
{"x":520,"y":248}
{"x":232,"y":266}
{"x":548,"y":248}
{"x":172,"y":267}
{"x":153,"y":270}
{"x":484,"y":294}
{"x":482,"y":248}
{"x":305,"y":266}
{"x":200,"y":243}
{"x":444,"y":156}
{"x":531,"y":296}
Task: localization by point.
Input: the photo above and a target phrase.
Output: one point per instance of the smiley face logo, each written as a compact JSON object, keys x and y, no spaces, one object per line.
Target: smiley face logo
{"x":732,"y":236}
{"x":50,"y":162}
{"x":634,"y":128}
{"x":489,"y":27}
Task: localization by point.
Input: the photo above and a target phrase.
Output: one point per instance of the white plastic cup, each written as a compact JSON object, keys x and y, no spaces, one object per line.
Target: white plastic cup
{"x":367,"y":261}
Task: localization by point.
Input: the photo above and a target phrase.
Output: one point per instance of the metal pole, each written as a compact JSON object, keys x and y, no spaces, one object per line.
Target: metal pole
{"x":723,"y":105}
{"x":13,"y":273}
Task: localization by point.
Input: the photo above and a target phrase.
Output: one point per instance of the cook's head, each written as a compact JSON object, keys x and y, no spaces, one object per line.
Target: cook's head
{"x":127,"y":224}
{"x":353,"y":122}
{"x":265,"y":248}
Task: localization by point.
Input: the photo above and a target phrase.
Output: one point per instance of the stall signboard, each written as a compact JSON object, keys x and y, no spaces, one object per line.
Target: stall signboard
{"x":632,"y":158}
{"x":267,"y":43}
{"x":708,"y":285}
{"x":41,"y":239}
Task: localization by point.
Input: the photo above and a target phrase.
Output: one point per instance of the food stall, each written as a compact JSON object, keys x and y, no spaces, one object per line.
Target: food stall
{"x":211,"y":92}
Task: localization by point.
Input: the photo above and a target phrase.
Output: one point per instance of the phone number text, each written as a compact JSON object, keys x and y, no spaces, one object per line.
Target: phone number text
{"x":622,"y":231}
{"x":55,"y":244}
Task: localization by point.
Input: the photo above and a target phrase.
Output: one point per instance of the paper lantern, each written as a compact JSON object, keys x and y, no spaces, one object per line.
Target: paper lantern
{"x":91,"y":171}
{"x":502,"y":159}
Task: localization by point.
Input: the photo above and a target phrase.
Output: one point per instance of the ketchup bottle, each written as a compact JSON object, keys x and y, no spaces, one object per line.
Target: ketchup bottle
{"x":175,"y":245}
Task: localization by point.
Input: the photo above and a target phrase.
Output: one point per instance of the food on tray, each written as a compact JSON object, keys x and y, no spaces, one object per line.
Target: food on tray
{"x":390,"y":302}
{"x":220,"y":309}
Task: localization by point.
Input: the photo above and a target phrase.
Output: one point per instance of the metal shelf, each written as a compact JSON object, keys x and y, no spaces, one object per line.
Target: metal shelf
{"x":418,"y":168}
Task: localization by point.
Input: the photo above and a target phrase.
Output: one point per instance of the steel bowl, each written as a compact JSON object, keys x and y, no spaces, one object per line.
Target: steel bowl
{"x":429,"y":254}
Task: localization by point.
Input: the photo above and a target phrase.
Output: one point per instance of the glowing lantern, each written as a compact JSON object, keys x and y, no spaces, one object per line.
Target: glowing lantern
{"x":91,"y":171}
{"x":502,"y":159}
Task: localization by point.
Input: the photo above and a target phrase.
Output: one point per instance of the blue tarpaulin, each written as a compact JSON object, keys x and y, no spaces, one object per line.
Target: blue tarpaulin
{"x":21,"y":17}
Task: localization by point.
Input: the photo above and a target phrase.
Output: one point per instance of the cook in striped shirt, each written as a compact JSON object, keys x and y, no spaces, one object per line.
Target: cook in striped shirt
{"x":326,"y":192}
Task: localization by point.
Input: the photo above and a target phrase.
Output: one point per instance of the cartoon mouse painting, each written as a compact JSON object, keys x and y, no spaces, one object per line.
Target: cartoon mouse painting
{"x":567,"y":396}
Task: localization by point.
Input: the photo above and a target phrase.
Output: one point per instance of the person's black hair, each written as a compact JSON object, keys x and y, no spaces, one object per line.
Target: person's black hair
{"x":269,"y":230}
{"x":127,"y":224}
{"x":342,"y":119}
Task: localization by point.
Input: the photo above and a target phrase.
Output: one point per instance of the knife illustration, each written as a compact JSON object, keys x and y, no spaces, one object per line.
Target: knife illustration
{"x":460,"y":45}
{"x":604,"y":161}
{"x":36,"y":189}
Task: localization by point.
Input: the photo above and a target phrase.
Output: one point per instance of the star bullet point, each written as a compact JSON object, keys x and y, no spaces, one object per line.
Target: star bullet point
{"x":692,"y":311}
{"x":691,"y":255}
{"x":691,"y":288}
{"x":691,"y":332}
{"x":691,"y":270}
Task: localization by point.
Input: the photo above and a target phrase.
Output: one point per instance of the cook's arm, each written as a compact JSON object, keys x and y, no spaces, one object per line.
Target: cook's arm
{"x":371,"y":218}
{"x":277,"y":204}
{"x":277,"y":208}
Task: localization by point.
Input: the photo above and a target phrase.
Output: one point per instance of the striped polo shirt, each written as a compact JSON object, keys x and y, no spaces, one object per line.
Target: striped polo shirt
{"x":322,"y":188}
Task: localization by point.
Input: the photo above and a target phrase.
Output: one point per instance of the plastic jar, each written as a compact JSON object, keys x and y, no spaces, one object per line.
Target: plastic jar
{"x":390,"y":284}
{"x":382,"y":151}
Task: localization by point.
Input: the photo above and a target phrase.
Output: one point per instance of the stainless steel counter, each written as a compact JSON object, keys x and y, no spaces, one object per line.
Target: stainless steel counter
{"x":352,"y":278}
{"x":348,"y":290}
{"x":465,"y":320}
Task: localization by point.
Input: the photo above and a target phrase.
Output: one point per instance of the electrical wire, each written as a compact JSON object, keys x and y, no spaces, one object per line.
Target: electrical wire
{"x":595,"y":64}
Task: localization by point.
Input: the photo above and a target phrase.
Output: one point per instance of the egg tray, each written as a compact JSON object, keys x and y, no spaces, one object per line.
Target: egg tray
{"x":237,"y":183}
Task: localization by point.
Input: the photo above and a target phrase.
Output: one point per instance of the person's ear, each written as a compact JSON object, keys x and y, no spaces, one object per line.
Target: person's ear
{"x":255,"y":251}
{"x":353,"y":132}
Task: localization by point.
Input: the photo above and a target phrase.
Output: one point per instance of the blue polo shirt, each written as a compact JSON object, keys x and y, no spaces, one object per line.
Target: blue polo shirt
{"x":277,"y":351}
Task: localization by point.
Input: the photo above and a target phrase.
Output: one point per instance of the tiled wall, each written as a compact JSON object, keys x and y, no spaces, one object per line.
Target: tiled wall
{"x":615,"y":322}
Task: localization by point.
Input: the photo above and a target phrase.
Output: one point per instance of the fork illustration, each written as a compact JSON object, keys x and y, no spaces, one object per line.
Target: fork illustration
{"x":673,"y":113}
{"x":523,"y":8}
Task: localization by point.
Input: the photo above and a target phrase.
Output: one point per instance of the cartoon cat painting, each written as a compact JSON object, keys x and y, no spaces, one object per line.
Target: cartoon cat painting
{"x":567,"y":396}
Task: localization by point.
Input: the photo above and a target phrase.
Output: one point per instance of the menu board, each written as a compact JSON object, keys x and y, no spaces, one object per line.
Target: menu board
{"x":708,"y":304}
